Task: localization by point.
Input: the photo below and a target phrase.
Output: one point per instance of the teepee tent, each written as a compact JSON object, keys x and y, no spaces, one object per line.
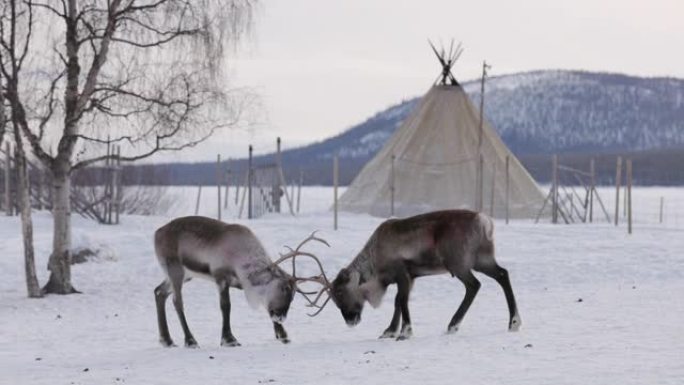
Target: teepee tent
{"x":432,"y":161}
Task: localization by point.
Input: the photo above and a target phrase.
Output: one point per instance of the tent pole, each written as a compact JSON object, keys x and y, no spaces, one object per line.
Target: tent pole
{"x":491,"y":202}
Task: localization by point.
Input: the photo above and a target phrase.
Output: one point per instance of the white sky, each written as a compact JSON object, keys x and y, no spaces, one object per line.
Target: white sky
{"x":322,"y":66}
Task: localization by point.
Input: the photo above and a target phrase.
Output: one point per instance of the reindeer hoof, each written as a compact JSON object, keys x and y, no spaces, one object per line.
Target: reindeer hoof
{"x":405,"y":334}
{"x":191,"y":344}
{"x":284,"y":340}
{"x":167,"y":343}
{"x":452,"y":329}
{"x":388,"y":334}
{"x":515,"y":324}
{"x":230,"y":344}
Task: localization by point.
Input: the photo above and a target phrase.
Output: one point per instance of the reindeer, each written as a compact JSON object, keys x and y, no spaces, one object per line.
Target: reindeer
{"x":232,"y":257}
{"x":401,"y":250}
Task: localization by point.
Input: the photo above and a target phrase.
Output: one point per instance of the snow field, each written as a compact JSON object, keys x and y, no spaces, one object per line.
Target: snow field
{"x":598,"y":307}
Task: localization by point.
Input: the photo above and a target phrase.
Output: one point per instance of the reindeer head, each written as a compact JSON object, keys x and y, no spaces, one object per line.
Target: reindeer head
{"x":346,"y":294}
{"x":280,"y":295}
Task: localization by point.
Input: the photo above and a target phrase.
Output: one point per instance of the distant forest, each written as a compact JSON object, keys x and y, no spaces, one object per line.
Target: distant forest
{"x":651,"y":167}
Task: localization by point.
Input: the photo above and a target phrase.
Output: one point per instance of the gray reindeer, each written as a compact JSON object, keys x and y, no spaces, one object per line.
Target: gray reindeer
{"x":232,"y":257}
{"x":401,"y":250}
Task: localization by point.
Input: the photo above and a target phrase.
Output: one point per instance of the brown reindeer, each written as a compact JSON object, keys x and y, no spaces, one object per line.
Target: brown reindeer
{"x":231,"y":256}
{"x":401,"y":250}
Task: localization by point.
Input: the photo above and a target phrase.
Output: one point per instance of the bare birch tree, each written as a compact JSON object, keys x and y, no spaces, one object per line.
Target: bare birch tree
{"x":145,"y":73}
{"x":14,"y":47}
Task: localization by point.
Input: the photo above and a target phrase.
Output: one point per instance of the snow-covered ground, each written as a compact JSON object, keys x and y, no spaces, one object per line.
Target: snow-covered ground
{"x":598,"y":307}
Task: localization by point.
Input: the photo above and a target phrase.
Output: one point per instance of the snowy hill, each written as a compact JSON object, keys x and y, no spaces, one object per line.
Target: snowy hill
{"x":535,"y":113}
{"x":556,"y":111}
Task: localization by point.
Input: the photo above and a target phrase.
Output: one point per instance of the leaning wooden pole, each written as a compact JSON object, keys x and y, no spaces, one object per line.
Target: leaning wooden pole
{"x":299,"y":189}
{"x":335,"y":181}
{"x":281,"y":174}
{"x":629,"y":196}
{"x":199,"y":197}
{"x":618,"y":176}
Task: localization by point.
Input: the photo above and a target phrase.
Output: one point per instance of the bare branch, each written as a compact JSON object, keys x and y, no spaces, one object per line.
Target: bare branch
{"x":48,"y":7}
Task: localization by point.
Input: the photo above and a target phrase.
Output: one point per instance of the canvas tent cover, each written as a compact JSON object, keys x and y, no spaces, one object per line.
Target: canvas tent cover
{"x":433,"y":158}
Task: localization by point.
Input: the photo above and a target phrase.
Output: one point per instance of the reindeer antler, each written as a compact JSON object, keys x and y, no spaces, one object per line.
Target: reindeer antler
{"x":321,"y":278}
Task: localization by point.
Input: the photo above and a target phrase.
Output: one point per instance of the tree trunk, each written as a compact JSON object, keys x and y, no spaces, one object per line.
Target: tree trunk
{"x":60,"y":259}
{"x":24,"y":196}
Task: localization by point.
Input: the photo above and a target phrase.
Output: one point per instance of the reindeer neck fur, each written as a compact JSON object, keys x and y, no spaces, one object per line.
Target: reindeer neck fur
{"x":363,"y":270}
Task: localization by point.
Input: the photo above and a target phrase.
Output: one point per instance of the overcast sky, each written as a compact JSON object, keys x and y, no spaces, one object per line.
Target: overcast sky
{"x":321,"y":66}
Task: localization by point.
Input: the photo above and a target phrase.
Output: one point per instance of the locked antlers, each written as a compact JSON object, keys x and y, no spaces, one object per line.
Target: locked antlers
{"x":321,"y":278}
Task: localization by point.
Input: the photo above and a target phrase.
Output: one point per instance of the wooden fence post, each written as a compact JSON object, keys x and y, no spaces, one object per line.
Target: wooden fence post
{"x":8,"y":178}
{"x":226,"y":193}
{"x":218,"y":185}
{"x":662,"y":203}
{"x":629,"y":196}
{"x":592,"y":188}
{"x":554,"y":190}
{"x":237,"y":188}
{"x":118,"y":186}
{"x":618,"y":176}
{"x":624,"y":200}
{"x":335,"y":181}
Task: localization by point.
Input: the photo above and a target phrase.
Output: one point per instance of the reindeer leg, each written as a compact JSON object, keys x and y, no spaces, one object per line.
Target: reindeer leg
{"x":404,"y":284}
{"x":501,"y":276}
{"x":161,"y":293}
{"x":391,"y":331}
{"x":472,"y":285}
{"x":280,"y":333}
{"x":176,"y":275}
{"x":227,"y":338}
